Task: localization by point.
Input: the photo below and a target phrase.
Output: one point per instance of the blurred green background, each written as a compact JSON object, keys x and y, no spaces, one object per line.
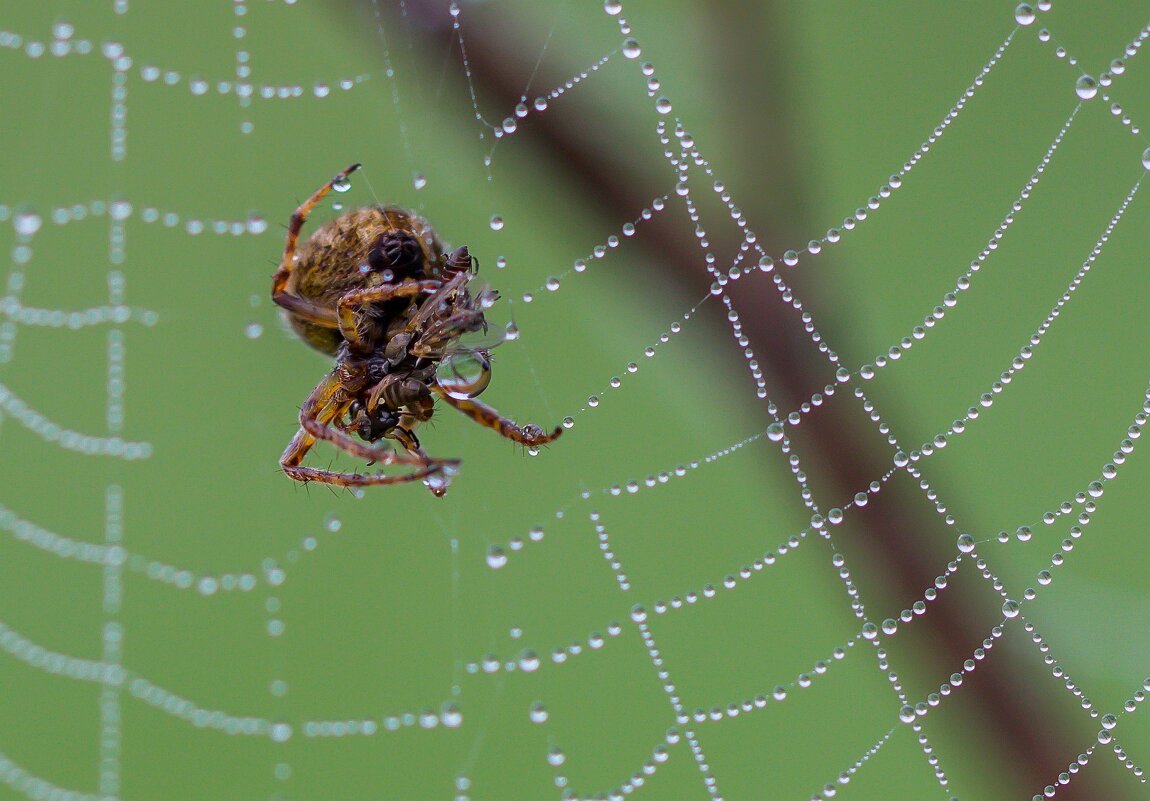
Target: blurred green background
{"x":192,"y":624}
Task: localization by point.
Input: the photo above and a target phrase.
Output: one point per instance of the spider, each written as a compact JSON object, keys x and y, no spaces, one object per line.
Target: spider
{"x":377,"y":289}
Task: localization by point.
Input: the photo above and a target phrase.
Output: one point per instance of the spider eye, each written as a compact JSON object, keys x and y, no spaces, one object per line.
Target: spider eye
{"x":464,"y":375}
{"x":398,"y":252}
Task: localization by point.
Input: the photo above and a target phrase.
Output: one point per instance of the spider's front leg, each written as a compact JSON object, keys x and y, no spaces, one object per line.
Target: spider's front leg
{"x":529,"y":434}
{"x":301,"y":307}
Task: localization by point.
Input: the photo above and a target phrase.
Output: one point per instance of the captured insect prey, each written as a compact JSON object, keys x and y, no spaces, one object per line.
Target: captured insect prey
{"x":378,"y":290}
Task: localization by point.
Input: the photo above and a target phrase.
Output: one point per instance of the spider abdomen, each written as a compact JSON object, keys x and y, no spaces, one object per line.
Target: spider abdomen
{"x":359,"y":249}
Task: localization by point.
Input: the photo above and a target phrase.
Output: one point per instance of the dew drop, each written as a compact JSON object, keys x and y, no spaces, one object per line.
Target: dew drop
{"x":510,"y":332}
{"x":496,"y":222}
{"x":496,"y":557}
{"x":253,"y":330}
{"x":568,"y":422}
{"x":419,"y":180}
{"x":663,"y":105}
{"x":341,"y":185}
{"x":452,"y":717}
{"x":593,"y":401}
{"x":1024,"y":14}
{"x":1146,"y":159}
{"x":464,"y":375}
{"x":552,"y":284}
{"x":906,"y":714}
{"x":631,"y":49}
{"x":1086,"y":87}
{"x":612,"y":7}
{"x":538,"y":713}
{"x":965,"y":543}
{"x":27,"y":223}
{"x":1010,"y":608}
{"x":1108,"y":721}
{"x":529,"y":662}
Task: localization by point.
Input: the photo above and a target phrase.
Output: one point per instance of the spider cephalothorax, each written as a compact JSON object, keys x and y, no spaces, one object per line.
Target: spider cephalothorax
{"x":376,"y":289}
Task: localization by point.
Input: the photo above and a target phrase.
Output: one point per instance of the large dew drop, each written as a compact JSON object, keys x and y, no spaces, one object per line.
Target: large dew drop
{"x":1024,"y":14}
{"x":1086,"y":87}
{"x":464,"y":375}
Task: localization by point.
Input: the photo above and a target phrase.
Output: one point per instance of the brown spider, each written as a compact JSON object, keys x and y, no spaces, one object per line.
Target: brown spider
{"x":377,"y":289}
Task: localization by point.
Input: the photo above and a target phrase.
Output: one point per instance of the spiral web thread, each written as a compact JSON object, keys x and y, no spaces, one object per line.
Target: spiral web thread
{"x":119,"y":684}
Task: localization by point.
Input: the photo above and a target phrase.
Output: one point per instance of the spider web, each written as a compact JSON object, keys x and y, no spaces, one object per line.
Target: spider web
{"x":847,"y":506}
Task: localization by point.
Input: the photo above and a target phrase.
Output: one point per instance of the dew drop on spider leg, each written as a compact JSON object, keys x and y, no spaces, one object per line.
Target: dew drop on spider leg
{"x":341,"y":185}
{"x":464,"y":375}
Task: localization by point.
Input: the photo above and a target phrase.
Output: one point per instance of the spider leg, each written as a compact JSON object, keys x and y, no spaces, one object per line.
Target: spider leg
{"x":529,"y":434}
{"x":384,"y":456}
{"x":301,"y":307}
{"x":327,"y":402}
{"x":356,"y":299}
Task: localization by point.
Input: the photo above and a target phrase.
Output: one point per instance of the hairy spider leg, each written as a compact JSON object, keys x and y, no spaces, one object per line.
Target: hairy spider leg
{"x":328,"y":402}
{"x":483,"y":414}
{"x":349,"y":303}
{"x":306,"y":309}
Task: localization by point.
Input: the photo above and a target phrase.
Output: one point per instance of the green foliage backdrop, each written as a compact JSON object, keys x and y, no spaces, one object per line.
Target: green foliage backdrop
{"x":260,"y":607}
